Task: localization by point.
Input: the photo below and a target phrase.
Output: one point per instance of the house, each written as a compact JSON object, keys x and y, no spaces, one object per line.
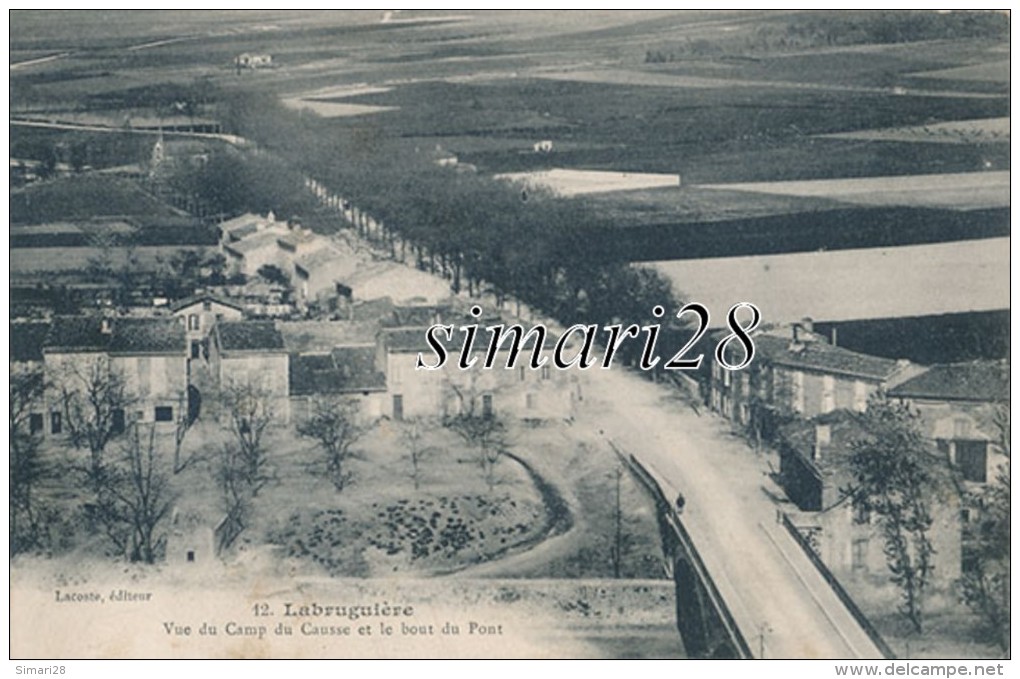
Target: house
{"x":200,"y":313}
{"x":343,"y":372}
{"x":26,"y":360}
{"x":253,"y":61}
{"x":251,"y":253}
{"x":522,"y":392}
{"x":233,"y":230}
{"x":797,"y":371}
{"x":815,"y":474}
{"x":964,"y":408}
{"x":317,"y":273}
{"x":147,"y":354}
{"x":251,"y":354}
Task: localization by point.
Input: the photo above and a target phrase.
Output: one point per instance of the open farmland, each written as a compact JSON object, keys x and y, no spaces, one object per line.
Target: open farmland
{"x":968,"y":191}
{"x":913,"y":280}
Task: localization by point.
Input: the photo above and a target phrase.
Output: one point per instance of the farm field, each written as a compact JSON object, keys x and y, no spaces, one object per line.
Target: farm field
{"x":848,"y":285}
{"x":985,"y":131}
{"x":960,"y":191}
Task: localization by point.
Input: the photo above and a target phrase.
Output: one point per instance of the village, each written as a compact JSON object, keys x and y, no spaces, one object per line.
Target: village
{"x":235,"y":357}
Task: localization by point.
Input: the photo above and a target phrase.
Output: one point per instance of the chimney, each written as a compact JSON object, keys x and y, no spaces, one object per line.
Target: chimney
{"x":823,"y":437}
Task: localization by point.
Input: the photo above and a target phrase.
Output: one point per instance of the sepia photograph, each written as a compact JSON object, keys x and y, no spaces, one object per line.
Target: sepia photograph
{"x":510,"y":334}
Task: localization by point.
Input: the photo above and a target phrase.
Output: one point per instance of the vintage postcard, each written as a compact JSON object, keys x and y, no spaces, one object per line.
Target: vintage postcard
{"x":509,"y":334}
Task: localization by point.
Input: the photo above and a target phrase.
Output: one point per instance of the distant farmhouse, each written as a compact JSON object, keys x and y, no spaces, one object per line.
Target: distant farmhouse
{"x":253,"y":61}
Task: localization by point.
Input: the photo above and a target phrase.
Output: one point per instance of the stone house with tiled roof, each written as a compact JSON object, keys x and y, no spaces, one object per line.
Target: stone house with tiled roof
{"x":815,"y":474}
{"x":799,"y":372}
{"x":149,"y":354}
{"x":345,"y":372}
{"x":964,"y":407}
{"x":523,"y":392}
{"x":252,"y":353}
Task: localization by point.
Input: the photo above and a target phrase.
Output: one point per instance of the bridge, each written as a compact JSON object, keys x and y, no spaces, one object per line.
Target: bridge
{"x":745,"y":587}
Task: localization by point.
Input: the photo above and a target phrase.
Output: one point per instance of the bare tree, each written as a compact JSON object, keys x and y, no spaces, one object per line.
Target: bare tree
{"x":334,"y":426}
{"x":479,"y":426}
{"x":250,"y":412}
{"x":94,"y":398}
{"x":413,"y":435}
{"x":26,"y":465}
{"x":135,"y":498}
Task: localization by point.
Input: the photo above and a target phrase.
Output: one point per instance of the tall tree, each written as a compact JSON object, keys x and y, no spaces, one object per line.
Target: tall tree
{"x":897,"y":478}
{"x":249,"y":413}
{"x":94,"y":399}
{"x":135,"y":498}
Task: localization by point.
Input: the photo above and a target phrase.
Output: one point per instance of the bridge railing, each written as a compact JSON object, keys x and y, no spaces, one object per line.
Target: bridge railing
{"x":732,"y":630}
{"x":851,"y":606}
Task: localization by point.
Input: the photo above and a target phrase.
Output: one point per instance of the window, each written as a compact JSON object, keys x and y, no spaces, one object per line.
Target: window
{"x":859,"y":554}
{"x":196,"y":349}
{"x":55,"y":423}
{"x":520,"y":372}
{"x":860,"y":396}
{"x":398,"y":407}
{"x":206,"y":305}
{"x":193,"y":322}
{"x":35,"y":423}
{"x":828,"y":393}
{"x":545,"y":372}
{"x":797,"y":388}
{"x":487,"y":405}
{"x":191,"y":556}
{"x":529,"y":400}
{"x":117,"y":426}
{"x":164,"y":414}
{"x":972,"y":460}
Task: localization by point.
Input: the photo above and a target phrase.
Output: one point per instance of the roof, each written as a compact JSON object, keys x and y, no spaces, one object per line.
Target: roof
{"x":257,"y":241}
{"x":800,"y":436}
{"x":343,"y":370}
{"x":820,"y":356}
{"x":973,"y":381}
{"x":249,"y":336}
{"x":125,"y":336}
{"x":27,"y":340}
{"x":326,"y":257}
{"x":76,"y":333}
{"x":414,"y":340}
{"x":206,"y":297}
{"x":147,"y":336}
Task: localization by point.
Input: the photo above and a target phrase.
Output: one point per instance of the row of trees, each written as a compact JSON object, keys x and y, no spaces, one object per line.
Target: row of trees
{"x":553,"y":254}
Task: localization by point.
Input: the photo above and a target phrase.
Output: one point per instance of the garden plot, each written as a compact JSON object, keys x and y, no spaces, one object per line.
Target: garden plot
{"x":962,"y":191}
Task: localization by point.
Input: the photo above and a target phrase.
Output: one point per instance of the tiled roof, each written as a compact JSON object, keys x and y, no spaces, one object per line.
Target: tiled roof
{"x":147,"y":336}
{"x":820,"y":356}
{"x":844,"y":426}
{"x":413,"y":340}
{"x":206,"y":297}
{"x":344,"y":370}
{"x":27,"y":340}
{"x":125,"y":336}
{"x":257,"y":241}
{"x":973,"y":381}
{"x":76,"y":333}
{"x":249,"y":336}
